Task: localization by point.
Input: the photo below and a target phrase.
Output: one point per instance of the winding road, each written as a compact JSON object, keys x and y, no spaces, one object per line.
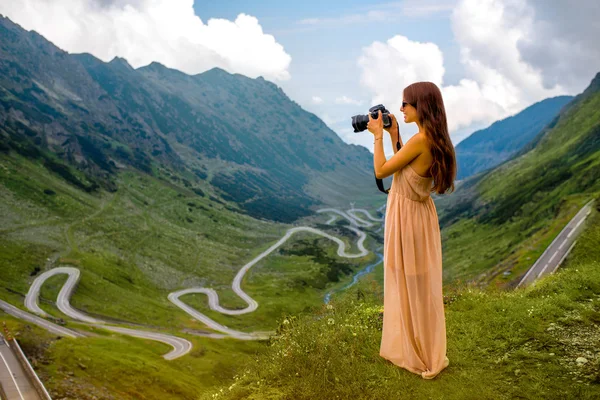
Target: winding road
{"x":181,"y":346}
{"x":213,"y":297}
{"x":42,"y":323}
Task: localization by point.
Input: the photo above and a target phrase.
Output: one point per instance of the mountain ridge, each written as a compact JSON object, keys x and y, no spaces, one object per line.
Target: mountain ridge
{"x":490,"y":146}
{"x":243,"y":135}
{"x":513,"y":209}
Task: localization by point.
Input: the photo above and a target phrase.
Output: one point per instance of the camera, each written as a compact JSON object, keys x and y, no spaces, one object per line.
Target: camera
{"x":359,"y":122}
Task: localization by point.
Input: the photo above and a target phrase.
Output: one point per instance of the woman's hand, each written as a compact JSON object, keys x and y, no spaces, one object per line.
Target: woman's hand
{"x":375,"y":126}
{"x":393,"y":129}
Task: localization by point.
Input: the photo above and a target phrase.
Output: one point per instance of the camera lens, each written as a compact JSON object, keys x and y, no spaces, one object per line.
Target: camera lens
{"x":359,"y":122}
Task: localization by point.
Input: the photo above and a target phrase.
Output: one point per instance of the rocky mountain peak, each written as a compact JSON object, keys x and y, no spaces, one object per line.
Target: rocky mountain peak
{"x":119,"y":61}
{"x":594,"y":86}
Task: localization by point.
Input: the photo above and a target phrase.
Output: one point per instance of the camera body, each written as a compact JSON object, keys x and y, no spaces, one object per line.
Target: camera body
{"x":359,"y":122}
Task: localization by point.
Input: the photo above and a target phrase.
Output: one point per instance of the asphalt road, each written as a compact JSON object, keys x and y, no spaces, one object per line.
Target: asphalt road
{"x":180,"y":346}
{"x":547,"y":263}
{"x":62,"y":302}
{"x":13,"y":379}
{"x":558,"y":250}
{"x":49,"y":326}
{"x":213,"y":297}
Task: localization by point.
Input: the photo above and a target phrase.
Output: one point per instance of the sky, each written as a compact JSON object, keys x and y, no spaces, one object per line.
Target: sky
{"x":490,"y":58}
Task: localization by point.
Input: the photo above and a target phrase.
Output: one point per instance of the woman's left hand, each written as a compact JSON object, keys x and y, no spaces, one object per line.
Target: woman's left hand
{"x":375,"y":126}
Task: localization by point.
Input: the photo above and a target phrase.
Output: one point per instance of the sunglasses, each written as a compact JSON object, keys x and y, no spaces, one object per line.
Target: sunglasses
{"x":404,"y":103}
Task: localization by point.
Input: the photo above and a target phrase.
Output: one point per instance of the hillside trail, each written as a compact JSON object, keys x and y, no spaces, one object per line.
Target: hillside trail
{"x":182,"y":346}
{"x":213,"y":297}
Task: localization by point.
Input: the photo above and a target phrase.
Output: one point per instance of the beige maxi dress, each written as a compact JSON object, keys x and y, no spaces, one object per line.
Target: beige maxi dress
{"x":414,"y":325}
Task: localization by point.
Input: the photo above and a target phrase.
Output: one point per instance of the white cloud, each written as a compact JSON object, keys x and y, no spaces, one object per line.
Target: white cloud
{"x":489,"y":33}
{"x":347,"y":100}
{"x":317,"y":100}
{"x":563,"y":42}
{"x":143,"y":31}
{"x":387,"y":68}
{"x":499,"y":82}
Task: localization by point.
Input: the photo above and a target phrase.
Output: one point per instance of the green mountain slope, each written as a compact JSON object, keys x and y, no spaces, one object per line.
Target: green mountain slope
{"x":501,"y":345}
{"x":242,"y":138}
{"x":502,"y":219}
{"x":489,"y":147}
{"x":147,"y":181}
{"x":146,"y":189}
{"x":134,"y":247}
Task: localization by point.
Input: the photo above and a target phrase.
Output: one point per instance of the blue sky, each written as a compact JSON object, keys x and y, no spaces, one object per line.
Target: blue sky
{"x":490,"y":58}
{"x":324,"y":54}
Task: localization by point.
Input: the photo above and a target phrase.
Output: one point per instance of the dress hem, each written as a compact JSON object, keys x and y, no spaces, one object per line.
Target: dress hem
{"x":424,"y":374}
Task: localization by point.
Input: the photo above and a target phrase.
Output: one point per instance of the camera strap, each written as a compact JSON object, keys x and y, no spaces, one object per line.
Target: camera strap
{"x":379,"y":181}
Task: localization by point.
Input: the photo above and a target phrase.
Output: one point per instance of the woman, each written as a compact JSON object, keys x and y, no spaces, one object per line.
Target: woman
{"x":414,"y":325}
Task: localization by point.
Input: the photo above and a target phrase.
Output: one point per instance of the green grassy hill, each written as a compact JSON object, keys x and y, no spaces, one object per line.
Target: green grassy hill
{"x":501,"y":345}
{"x":152,"y":236}
{"x":141,"y":225}
{"x":502,"y":219}
{"x":133,"y":247}
{"x":147,"y":239}
{"x":242,"y":139}
{"x":146,"y":202}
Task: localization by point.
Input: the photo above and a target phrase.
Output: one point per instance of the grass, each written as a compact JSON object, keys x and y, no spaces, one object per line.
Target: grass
{"x":501,"y":345}
{"x":152,"y":237}
{"x":108,"y":366}
{"x":281,"y":284}
{"x":138,"y":245}
{"x":133,"y":247}
{"x":475,"y":252}
{"x":508,"y":216}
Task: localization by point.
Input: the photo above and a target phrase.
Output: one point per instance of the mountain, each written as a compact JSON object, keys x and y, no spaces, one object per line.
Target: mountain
{"x":489,"y":147}
{"x":146,"y":180}
{"x":500,"y":220}
{"x":564,"y":152}
{"x":242,"y":139}
{"x":496,"y":343}
{"x":149,"y":181}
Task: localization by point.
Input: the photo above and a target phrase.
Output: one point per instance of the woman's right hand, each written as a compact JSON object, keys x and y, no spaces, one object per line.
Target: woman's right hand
{"x":393,"y":129}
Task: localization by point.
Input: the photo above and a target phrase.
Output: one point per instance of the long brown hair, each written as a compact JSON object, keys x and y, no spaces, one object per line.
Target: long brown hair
{"x":427,"y":98}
